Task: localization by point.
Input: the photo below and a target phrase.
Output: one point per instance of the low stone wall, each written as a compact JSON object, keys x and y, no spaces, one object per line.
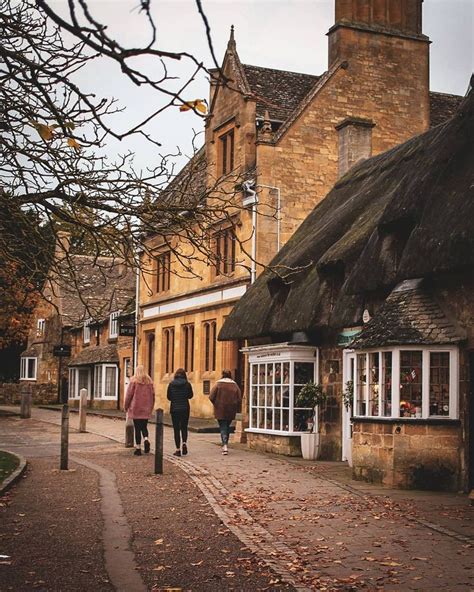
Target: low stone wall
{"x":42,"y":394}
{"x":410,"y":454}
{"x":287,"y":445}
{"x":95,"y":404}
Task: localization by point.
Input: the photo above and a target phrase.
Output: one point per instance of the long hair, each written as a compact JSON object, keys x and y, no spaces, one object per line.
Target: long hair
{"x":180,"y":373}
{"x":141,"y":376}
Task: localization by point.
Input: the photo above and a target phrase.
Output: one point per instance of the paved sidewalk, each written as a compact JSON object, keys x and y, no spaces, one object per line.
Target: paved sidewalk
{"x":319,"y":530}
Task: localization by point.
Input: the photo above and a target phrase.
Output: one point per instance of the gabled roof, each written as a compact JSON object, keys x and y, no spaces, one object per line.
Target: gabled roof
{"x":409,"y":316}
{"x":277,"y":91}
{"x":91,"y":287}
{"x":406,"y":213}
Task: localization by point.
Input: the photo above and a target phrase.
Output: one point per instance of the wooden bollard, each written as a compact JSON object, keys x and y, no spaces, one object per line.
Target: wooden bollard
{"x":129,"y":430}
{"x":64,"y":438}
{"x":83,"y":410}
{"x":159,"y":443}
{"x":25,"y":410}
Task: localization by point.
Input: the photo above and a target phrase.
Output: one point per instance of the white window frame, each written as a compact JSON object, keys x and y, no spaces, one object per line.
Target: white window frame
{"x":100,"y":394}
{"x":40,"y":327}
{"x":114,"y":324}
{"x":279,"y":354}
{"x":86,"y":334}
{"x":24,"y":364}
{"x":74,"y":390}
{"x":425,"y":402}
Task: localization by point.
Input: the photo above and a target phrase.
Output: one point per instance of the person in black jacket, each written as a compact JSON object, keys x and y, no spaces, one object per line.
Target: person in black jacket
{"x":179,"y":393}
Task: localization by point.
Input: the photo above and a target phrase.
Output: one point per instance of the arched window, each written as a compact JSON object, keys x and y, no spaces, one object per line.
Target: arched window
{"x":209,"y":346}
{"x":151,"y":354}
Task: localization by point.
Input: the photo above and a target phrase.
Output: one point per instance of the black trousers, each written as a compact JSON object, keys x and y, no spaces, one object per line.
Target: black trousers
{"x":140,"y":426}
{"x":180,"y":426}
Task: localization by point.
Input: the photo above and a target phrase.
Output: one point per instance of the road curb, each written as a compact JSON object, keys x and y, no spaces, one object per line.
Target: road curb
{"x":17,"y":473}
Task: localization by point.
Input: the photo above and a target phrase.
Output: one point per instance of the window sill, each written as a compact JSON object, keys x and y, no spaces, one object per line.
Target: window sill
{"x":408,"y":420}
{"x":273,"y":432}
{"x":29,"y":379}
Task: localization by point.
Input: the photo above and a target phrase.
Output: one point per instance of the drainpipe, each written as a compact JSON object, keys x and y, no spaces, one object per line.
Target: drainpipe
{"x":137,"y":311}
{"x":278,"y":208}
{"x":251,"y":199}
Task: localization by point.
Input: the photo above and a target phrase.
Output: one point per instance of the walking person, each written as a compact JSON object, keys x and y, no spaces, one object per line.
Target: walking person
{"x":227,"y":400}
{"x":139,"y":402}
{"x":179,"y":393}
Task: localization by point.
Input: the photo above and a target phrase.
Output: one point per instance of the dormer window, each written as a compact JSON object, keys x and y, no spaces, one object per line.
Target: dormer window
{"x":86,"y":335}
{"x":114,"y":325}
{"x":226,"y":152}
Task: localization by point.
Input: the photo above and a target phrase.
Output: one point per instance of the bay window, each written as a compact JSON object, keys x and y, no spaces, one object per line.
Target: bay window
{"x":408,"y":382}
{"x":277,"y":375}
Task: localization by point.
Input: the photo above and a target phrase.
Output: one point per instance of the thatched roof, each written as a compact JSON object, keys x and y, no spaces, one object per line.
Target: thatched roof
{"x":406,"y":213}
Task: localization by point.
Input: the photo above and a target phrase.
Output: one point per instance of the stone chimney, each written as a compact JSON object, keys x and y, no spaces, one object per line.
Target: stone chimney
{"x":63,"y":244}
{"x":354,"y":142}
{"x":401,"y":18}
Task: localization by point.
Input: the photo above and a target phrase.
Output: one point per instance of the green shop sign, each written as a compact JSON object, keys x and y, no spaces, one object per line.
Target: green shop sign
{"x":347,"y":335}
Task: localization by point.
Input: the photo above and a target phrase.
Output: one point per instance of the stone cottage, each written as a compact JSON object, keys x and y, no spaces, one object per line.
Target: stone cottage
{"x":74,"y":340}
{"x":373,"y":298}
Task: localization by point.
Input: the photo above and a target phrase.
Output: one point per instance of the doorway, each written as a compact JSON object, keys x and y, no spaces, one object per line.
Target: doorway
{"x":348,"y":373}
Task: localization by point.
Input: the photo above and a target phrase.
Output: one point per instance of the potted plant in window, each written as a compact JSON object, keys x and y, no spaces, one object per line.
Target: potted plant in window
{"x":311,"y":396}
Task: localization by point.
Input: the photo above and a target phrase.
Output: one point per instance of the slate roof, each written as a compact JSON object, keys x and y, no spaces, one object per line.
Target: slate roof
{"x":409,"y":316}
{"x":96,"y":355}
{"x":282,"y":91}
{"x":406,"y":213}
{"x":92,"y":287}
{"x":279,"y":91}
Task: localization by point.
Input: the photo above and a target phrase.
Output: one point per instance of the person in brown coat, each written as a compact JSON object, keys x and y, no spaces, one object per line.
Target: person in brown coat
{"x":227,"y":400}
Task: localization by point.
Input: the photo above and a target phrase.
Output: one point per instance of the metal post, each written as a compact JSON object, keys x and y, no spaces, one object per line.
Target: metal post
{"x":83,"y":410}
{"x":64,"y":438}
{"x":159,"y":443}
{"x":25,"y":412}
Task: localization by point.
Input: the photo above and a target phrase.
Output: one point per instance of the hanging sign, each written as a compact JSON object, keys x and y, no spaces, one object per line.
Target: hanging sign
{"x":62,"y":351}
{"x":127,"y":330}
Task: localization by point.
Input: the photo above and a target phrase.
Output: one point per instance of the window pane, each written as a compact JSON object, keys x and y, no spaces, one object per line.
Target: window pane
{"x":386,"y":410}
{"x":253,"y":418}
{"x":31,"y":367}
{"x":278,"y":396}
{"x":269,"y":373}
{"x":286,"y":373}
{"x":410,"y":383}
{"x":110,"y":374}
{"x":261,"y":374}
{"x":361,"y":382}
{"x":277,"y":418}
{"x":439,"y":383}
{"x":98,"y":382}
{"x":304,"y":372}
{"x":374,"y":376}
{"x":285,"y":414}
{"x":285,"y":396}
{"x":269,"y":419}
{"x":261,"y":396}
{"x":254,"y":373}
{"x":278,"y":374}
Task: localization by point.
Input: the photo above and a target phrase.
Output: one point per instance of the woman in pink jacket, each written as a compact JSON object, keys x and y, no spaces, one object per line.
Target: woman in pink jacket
{"x":139,"y":402}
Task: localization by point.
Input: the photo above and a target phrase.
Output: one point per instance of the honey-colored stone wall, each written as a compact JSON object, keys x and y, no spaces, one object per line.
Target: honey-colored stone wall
{"x":330,"y":370}
{"x":386,"y":82}
{"x":226,"y":355}
{"x":408,"y":454}
{"x":286,"y":445}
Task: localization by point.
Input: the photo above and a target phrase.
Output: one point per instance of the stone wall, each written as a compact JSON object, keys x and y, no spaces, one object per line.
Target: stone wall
{"x":330,"y":369}
{"x":42,"y":394}
{"x":286,"y":445}
{"x":408,"y":454}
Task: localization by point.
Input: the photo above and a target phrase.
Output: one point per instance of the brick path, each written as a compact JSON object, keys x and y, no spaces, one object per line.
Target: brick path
{"x":319,"y":532}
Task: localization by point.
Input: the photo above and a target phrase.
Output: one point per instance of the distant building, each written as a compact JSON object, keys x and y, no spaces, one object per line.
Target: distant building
{"x":79,"y":313}
{"x":378,"y":307}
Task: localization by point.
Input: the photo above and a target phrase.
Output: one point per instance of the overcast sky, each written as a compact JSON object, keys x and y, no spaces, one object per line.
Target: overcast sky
{"x":282,"y":34}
